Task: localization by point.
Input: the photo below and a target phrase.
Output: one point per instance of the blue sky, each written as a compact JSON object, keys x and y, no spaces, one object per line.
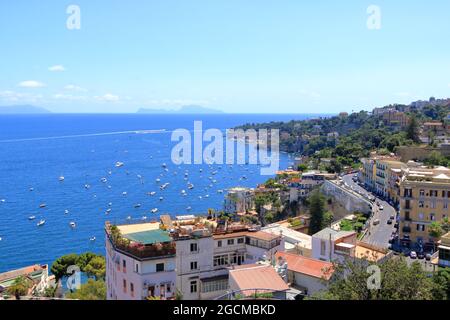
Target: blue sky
{"x":286,"y":56}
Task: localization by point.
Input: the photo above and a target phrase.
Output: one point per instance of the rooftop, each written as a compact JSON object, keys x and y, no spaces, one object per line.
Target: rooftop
{"x":149,"y":237}
{"x":311,"y":267}
{"x":335,"y":235}
{"x":290,"y":235}
{"x":255,"y":276}
{"x":34,"y":271}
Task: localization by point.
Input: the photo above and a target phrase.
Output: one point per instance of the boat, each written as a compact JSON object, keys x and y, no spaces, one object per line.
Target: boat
{"x":31,"y":217}
{"x":42,"y":205}
{"x":137,"y":205}
{"x":87,"y":186}
{"x":92,"y":239}
{"x":158,"y":180}
{"x":124,"y":193}
{"x":207,"y":196}
{"x":219,"y":191}
{"x":188,"y":208}
{"x":41,"y":223}
{"x":129,"y":218}
{"x":31,"y":189}
{"x":108,"y":211}
{"x":110,"y":204}
{"x":161,"y":198}
{"x":152,"y":193}
{"x":104,"y":180}
{"x":66,"y":211}
{"x":144,"y":218}
{"x":119,"y":164}
{"x":190,"y":186}
{"x":164,"y":165}
{"x":154,"y":210}
{"x":72,"y":224}
{"x":61,"y":178}
{"x":200,"y":197}
{"x":3,"y":201}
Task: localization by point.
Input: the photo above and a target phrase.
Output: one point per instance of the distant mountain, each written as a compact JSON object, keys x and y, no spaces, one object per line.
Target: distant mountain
{"x":22,"y":109}
{"x":191,"y":109}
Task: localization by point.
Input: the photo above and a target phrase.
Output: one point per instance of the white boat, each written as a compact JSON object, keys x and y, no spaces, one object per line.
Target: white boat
{"x":219,"y":191}
{"x":42,"y":205}
{"x":31,"y":217}
{"x":110,"y":172}
{"x":119,"y":164}
{"x":61,"y":178}
{"x":41,"y":223}
{"x":188,"y":208}
{"x":104,"y":180}
{"x":158,"y":180}
{"x":66,"y":211}
{"x":207,"y":196}
{"x":31,"y":189}
{"x":183,"y":191}
{"x":3,"y":201}
{"x":92,"y":239}
{"x":190,"y":186}
{"x":161,"y":198}
{"x":72,"y":224}
{"x":200,"y":197}
{"x":108,"y":211}
{"x":87,"y":186}
{"x":129,"y":218}
{"x":152,"y":193}
{"x":164,"y":165}
{"x":110,"y":204}
{"x":144,"y":218}
{"x":124,"y":193}
{"x":154,"y":210}
{"x":137,"y":205}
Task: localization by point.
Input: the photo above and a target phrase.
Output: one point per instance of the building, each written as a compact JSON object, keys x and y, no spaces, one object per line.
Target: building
{"x":257,"y":279}
{"x":424,"y":199}
{"x":36,"y":274}
{"x":294,"y":241}
{"x":204,"y":256}
{"x":310,"y":180}
{"x":348,"y":198}
{"x":239,"y":200}
{"x":140,"y":262}
{"x":305,"y":274}
{"x":395,"y":118}
{"x":330,"y":245}
{"x":444,"y":251}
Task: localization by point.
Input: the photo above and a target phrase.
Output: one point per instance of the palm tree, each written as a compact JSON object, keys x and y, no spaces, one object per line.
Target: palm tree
{"x":20,"y":287}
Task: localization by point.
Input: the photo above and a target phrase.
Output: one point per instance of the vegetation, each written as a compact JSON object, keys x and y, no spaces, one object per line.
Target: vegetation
{"x":91,"y":290}
{"x":399,"y":281}
{"x":356,"y":224}
{"x":319,"y":217}
{"x":20,"y":287}
{"x":92,"y":264}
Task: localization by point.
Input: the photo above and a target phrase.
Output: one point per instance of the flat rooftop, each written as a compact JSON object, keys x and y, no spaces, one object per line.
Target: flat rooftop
{"x":139,"y":227}
{"x":149,"y":237}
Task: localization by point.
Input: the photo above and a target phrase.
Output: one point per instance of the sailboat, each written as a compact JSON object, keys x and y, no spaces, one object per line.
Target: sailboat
{"x":41,"y":223}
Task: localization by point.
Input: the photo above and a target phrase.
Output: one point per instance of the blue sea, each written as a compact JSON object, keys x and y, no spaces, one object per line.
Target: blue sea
{"x":35,"y":150}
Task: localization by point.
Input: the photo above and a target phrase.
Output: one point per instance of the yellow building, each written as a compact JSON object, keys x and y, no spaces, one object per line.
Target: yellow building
{"x":424,"y":198}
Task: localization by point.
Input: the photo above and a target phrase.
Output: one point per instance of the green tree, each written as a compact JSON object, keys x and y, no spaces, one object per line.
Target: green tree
{"x":91,"y":290}
{"x":317,"y":211}
{"x":59,"y":267}
{"x":20,"y":287}
{"x":412,"y":130}
{"x":96,"y":268}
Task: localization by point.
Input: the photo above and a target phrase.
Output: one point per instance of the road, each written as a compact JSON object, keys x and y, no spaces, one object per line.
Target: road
{"x":380,"y":234}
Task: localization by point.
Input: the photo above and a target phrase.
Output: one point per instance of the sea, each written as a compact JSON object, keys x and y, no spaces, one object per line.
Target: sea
{"x":36,"y":150}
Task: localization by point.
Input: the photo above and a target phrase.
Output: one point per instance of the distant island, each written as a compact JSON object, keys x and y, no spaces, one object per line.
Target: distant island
{"x":191,"y":109}
{"x":22,"y":109}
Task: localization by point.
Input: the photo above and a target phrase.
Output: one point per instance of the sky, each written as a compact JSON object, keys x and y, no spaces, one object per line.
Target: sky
{"x":252,"y":56}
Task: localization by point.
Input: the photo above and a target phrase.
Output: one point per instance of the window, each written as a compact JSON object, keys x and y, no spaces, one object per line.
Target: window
{"x":432,"y":217}
{"x":230,"y":242}
{"x":194,"y":247}
{"x":433,"y":193}
{"x":194,"y":265}
{"x":193,"y":286}
{"x":445,"y":205}
{"x":212,"y":286}
{"x":421,"y":216}
{"x":421,"y":204}
{"x":124,"y":264}
{"x":240,"y":240}
{"x":220,"y":260}
{"x":124,"y":286}
{"x":136,"y":269}
{"x":219,"y":243}
{"x":132,"y":289}
{"x":159,"y":267}
{"x":421,"y":227}
{"x":433,"y":205}
{"x":422,"y":192}
{"x":322,"y":247}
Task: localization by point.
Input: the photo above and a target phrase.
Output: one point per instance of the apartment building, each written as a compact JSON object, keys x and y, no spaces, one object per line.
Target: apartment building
{"x":330,"y":245}
{"x":36,"y":274}
{"x":140,"y":262}
{"x":444,"y":251}
{"x":204,"y":257}
{"x":424,"y":198}
{"x":239,"y":200}
{"x":395,"y":118}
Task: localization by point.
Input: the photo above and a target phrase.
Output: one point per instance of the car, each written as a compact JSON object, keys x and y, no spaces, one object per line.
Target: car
{"x":421,"y":255}
{"x":376,"y":222}
{"x":389,"y":222}
{"x":378,"y":203}
{"x":413,"y":255}
{"x":392,"y":217}
{"x":428,"y":257}
{"x":381,"y":208}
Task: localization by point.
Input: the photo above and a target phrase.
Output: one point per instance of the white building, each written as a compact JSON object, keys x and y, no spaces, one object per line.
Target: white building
{"x":239,"y":200}
{"x":331,"y":245}
{"x":140,"y":262}
{"x":294,"y":241}
{"x":203,"y":258}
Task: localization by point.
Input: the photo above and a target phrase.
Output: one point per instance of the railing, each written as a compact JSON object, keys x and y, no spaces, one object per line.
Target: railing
{"x":142,"y":251}
{"x":256,"y":294}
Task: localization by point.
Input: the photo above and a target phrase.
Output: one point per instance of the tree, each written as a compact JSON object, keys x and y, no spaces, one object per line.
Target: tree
{"x":60,"y":266}
{"x":20,"y":287}
{"x":317,"y":211}
{"x":96,"y":268}
{"x":91,"y":290}
{"x":412,"y":130}
{"x":302,"y":167}
{"x":398,"y":281}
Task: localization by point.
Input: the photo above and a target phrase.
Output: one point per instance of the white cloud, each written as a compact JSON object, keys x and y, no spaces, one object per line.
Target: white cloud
{"x":70,"y":97}
{"x":12,"y":96}
{"x":108,"y":98}
{"x":73,"y":87}
{"x":31,"y":84}
{"x":176,"y":102}
{"x":57,"y":68}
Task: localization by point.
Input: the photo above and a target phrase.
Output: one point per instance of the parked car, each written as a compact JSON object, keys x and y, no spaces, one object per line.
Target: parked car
{"x":392,"y":217}
{"x":413,"y":255}
{"x":376,"y":222}
{"x":428,"y":257}
{"x":381,"y":208}
{"x":389,"y":221}
{"x":421,"y":255}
